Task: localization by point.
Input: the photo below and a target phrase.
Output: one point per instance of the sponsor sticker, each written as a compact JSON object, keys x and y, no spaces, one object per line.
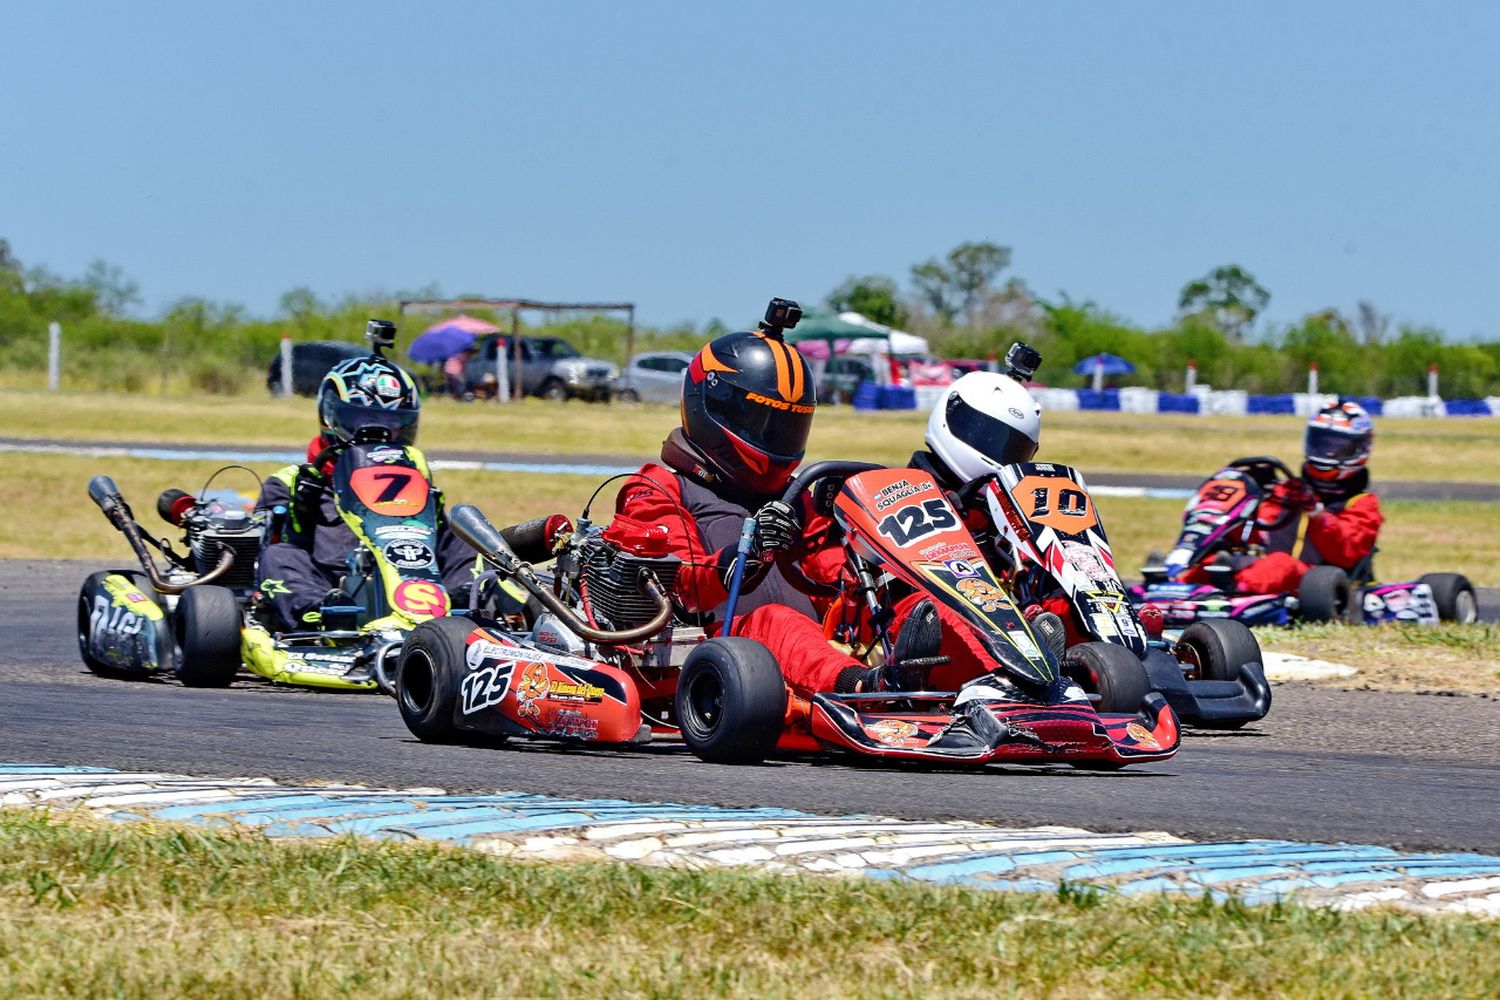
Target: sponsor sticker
{"x":421,"y":598}
{"x":892,"y":731}
{"x":570,"y":723}
{"x":982,"y":594}
{"x":961,"y":568}
{"x":409,"y":554}
{"x":1141,"y":735}
{"x":385,"y":454}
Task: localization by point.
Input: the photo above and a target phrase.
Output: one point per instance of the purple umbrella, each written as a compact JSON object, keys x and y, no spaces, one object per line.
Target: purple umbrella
{"x":444,"y":339}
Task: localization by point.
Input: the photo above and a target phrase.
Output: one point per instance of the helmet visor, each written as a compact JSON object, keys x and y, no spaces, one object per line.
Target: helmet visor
{"x":991,"y":437}
{"x":1324,"y":444}
{"x":357,"y":422}
{"x":770,"y":425}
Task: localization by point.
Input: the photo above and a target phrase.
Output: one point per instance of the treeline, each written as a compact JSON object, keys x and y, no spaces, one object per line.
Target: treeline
{"x":203,"y":346}
{"x":964,"y":309}
{"x":958,"y":302}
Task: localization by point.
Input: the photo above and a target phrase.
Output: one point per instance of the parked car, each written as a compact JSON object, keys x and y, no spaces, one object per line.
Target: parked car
{"x":311,"y":360}
{"x":655,"y":377}
{"x":550,"y":367}
{"x":841,"y":376}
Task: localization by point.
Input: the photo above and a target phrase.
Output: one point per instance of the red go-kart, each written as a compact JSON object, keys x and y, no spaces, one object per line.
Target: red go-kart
{"x":608,"y":659}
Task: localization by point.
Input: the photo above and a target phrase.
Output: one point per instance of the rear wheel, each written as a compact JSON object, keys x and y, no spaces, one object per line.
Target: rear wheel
{"x":627,"y":396}
{"x":1325,"y":596}
{"x":428,"y":676}
{"x":731,"y":701}
{"x":1111,"y":672}
{"x":1454,"y":596}
{"x":554,"y":390}
{"x":207,"y":628}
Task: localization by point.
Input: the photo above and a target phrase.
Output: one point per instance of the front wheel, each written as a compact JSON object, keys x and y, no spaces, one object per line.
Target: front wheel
{"x":1110,"y":672}
{"x":1214,"y":649}
{"x":428,"y":676}
{"x":207,"y":628}
{"x":1325,"y":596}
{"x":1454,"y":596}
{"x":554,"y":391}
{"x":731,"y":701}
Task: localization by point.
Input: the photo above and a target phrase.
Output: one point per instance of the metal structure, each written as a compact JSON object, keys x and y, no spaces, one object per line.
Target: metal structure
{"x":515,"y":307}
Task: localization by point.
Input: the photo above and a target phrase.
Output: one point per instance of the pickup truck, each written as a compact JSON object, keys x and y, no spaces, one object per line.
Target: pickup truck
{"x":550,"y":368}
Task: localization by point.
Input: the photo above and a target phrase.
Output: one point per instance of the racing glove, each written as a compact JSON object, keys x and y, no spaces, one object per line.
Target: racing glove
{"x":307,"y":493}
{"x":776,"y":528}
{"x":1297,"y":493}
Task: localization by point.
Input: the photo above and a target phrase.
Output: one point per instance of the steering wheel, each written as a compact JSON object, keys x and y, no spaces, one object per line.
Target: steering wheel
{"x":1268,"y":473}
{"x":792,"y":497}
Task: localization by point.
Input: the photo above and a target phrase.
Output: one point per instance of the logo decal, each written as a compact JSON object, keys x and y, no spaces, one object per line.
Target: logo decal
{"x":408,"y":555}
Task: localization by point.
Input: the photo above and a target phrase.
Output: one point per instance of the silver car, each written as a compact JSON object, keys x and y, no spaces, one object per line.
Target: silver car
{"x":655,"y":377}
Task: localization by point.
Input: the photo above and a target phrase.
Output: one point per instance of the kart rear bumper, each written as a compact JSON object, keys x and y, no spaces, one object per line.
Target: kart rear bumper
{"x":995,"y":732}
{"x":264,"y":656}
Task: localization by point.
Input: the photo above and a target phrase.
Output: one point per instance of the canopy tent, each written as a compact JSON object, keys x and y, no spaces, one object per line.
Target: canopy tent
{"x":1103,"y":364}
{"x":820,"y":334}
{"x":448,"y":337}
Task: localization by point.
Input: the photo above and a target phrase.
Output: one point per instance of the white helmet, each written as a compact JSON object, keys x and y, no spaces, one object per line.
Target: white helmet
{"x":983,"y":421}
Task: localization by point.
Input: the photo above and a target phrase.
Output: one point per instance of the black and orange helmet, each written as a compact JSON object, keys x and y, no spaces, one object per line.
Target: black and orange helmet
{"x":747,"y":407}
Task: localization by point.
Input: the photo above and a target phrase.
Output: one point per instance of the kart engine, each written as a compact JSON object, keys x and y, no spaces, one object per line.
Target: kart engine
{"x":212,"y":526}
{"x":613,"y":573}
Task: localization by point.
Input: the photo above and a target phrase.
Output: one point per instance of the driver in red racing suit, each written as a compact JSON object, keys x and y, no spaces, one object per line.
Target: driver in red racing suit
{"x":1343,"y":519}
{"x":747,"y":408}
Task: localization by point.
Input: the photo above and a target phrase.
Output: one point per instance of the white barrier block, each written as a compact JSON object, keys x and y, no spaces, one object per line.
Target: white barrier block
{"x":1225,"y":402}
{"x":1306,"y":404}
{"x":1134,"y":399}
{"x":1056,"y":399}
{"x":1413,"y":406}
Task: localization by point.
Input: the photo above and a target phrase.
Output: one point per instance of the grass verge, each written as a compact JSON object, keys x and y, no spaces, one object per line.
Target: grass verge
{"x":60,"y":523}
{"x":1094,"y":442}
{"x":94,"y":909}
{"x":1447,"y":658}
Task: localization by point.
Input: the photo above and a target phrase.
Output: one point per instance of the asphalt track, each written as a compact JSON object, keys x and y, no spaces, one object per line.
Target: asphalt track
{"x":1410,"y":771}
{"x":594,"y":464}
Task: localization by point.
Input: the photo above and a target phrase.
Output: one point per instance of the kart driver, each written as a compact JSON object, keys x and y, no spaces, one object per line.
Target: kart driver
{"x":983,"y":421}
{"x":747,"y":408}
{"x":1343,"y":519}
{"x":366,"y":399}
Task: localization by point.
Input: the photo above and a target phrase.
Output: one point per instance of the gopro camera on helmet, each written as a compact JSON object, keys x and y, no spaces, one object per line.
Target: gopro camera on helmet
{"x":1022,"y":361}
{"x":781,"y":314}
{"x":381,"y":334}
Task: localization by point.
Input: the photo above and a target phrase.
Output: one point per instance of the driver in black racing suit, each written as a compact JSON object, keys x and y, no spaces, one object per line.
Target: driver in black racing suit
{"x":368,"y":399}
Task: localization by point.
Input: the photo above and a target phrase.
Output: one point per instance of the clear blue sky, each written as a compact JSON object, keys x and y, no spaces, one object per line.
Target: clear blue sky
{"x":698,"y":158}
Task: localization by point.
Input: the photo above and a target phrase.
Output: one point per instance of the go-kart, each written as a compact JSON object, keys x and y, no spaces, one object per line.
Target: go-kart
{"x":201,"y":615}
{"x":611,"y":660}
{"x":1232,"y":519}
{"x":1048,"y":529}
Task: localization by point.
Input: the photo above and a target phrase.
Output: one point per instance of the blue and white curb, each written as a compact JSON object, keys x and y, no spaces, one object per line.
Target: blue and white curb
{"x":521,"y":825}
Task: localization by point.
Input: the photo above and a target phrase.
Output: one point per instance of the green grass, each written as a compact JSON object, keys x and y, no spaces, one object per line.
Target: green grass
{"x":92,"y":909}
{"x":1419,"y":536}
{"x":1448,"y":657}
{"x":1094,"y":442}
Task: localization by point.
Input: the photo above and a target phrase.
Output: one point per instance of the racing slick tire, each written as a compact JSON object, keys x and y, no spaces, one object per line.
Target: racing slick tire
{"x":1454,"y":596}
{"x":206,"y":626}
{"x":1216,"y":647}
{"x":1111,"y":672}
{"x":1325,"y":596}
{"x":428,"y":676}
{"x":731,"y":701}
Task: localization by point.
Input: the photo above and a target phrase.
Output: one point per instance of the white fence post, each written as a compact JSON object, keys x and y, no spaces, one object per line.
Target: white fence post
{"x":54,"y":354}
{"x":1190,"y":379}
{"x":502,"y":371}
{"x":286,"y":364}
{"x":1432,"y":386}
{"x":1312,"y":378}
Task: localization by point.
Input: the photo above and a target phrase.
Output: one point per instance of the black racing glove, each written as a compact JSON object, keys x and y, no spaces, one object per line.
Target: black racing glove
{"x":308,"y":490}
{"x":776,"y":528}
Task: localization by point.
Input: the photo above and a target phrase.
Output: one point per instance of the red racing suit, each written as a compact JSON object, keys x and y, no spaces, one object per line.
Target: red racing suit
{"x":702,"y":524}
{"x":1341,"y":535}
